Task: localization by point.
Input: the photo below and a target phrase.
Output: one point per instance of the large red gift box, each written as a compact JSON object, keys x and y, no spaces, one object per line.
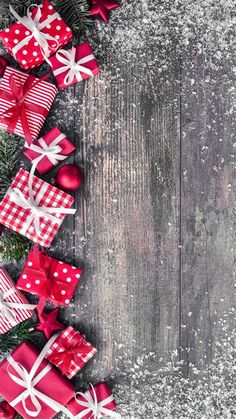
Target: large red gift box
{"x":49,"y":150}
{"x":14,"y":308}
{"x":70,"y":352}
{"x":32,"y":385}
{"x":36,"y":36}
{"x":49,"y":278}
{"x":74,"y":65}
{"x":25,"y":101}
{"x":28,"y":208}
{"x":98,"y":399}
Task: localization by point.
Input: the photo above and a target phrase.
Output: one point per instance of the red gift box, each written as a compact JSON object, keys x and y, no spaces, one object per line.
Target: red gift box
{"x":70,"y":352}
{"x":49,"y":150}
{"x":49,"y":278}
{"x":14,"y":308}
{"x":25,"y":101}
{"x":94,"y":403}
{"x":74,"y":65}
{"x":31,"y":385}
{"x":28,"y":208}
{"x":36,"y":36}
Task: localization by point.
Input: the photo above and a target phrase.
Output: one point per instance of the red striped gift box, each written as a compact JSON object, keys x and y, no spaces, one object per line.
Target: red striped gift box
{"x":20,"y":314}
{"x":41,"y":94}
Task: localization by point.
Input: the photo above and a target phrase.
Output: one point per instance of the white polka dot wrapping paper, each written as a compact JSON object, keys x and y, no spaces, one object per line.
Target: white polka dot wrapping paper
{"x":19,"y":214}
{"x":36,"y":36}
{"x":13,"y":304}
{"x":49,"y":278}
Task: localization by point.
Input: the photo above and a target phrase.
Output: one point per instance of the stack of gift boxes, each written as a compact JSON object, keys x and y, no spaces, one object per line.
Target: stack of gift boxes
{"x":33,"y":383}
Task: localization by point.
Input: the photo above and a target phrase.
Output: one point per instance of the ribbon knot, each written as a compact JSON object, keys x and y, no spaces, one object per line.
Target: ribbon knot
{"x":72,"y":67}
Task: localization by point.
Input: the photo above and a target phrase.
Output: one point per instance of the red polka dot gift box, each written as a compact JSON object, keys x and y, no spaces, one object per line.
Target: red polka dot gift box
{"x":36,"y":36}
{"x":25,"y":102}
{"x":34,"y":208}
{"x":70,"y":352}
{"x":73,"y":65}
{"x":49,"y":278}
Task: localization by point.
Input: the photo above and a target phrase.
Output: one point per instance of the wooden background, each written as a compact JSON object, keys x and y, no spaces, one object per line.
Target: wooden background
{"x":155,"y":226}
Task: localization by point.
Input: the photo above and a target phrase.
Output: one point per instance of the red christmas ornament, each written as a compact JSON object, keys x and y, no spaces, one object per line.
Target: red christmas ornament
{"x":3,"y":65}
{"x":6,"y":411}
{"x":69,"y":177}
{"x":48,"y":323}
{"x":102,"y":8}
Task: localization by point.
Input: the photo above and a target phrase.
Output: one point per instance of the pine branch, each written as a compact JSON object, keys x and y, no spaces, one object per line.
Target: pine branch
{"x":13,"y":247}
{"x":8,"y":161}
{"x":16,"y":335}
{"x":75,"y":14}
{"x":20,"y":6}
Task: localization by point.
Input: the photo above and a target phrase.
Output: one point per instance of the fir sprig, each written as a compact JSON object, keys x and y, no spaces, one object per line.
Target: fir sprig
{"x":75,"y":13}
{"x":13,"y":247}
{"x":20,"y":6}
{"x":16,"y":335}
{"x":8,"y":161}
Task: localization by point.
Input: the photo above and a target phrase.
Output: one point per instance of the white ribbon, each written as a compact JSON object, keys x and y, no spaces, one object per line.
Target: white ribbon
{"x":52,"y":151}
{"x":95,"y":408}
{"x":32,"y":203}
{"x":73,"y":68}
{"x":28,"y":380}
{"x":35,"y":27}
{"x":7,"y":307}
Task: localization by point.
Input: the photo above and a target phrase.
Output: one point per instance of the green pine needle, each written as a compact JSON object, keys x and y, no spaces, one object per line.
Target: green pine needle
{"x":75,"y":14}
{"x":20,"y":6}
{"x":13,"y":247}
{"x":8,"y":161}
{"x":16,"y":335}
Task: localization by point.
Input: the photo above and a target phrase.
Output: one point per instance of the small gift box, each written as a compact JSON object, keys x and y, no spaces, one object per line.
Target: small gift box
{"x":49,"y":150}
{"x":34,"y":208}
{"x":70,"y":352}
{"x":31,"y":385}
{"x":94,"y":403}
{"x":74,"y":65}
{"x":36,"y":36}
{"x":6,"y":411}
{"x":25,"y":101}
{"x":49,"y":278}
{"x":14,"y":308}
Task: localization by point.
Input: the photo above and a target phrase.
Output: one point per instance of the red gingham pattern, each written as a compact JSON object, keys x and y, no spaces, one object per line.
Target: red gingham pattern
{"x":6,"y":284}
{"x":68,"y":333}
{"x":13,"y":216}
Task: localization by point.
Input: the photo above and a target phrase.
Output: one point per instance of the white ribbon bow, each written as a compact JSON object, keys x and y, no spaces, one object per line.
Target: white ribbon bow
{"x":35,"y":27}
{"x":52,"y":151}
{"x":73,"y":68}
{"x":7,"y":307}
{"x":95,"y":408}
{"x":28,"y":380}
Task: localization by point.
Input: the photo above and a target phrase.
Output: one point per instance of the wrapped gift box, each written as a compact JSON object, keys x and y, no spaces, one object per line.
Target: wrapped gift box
{"x":14,"y":308}
{"x":36,"y":36}
{"x":34,"y":216}
{"x":49,"y":150}
{"x":99,"y":397}
{"x":74,"y":65}
{"x":49,"y":278}
{"x":48,"y":383}
{"x":27,"y":117}
{"x":70,"y":352}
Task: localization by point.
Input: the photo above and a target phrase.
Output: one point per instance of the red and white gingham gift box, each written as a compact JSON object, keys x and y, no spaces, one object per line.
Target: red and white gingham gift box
{"x":70,"y":343}
{"x":10,"y":297}
{"x":17,"y":211}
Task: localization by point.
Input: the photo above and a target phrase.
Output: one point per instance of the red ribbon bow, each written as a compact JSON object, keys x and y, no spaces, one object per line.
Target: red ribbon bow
{"x":19,"y":108}
{"x":72,"y":350}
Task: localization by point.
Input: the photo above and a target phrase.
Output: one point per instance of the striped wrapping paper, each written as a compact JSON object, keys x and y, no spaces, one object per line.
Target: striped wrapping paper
{"x":6,"y":284}
{"x":42,"y":94}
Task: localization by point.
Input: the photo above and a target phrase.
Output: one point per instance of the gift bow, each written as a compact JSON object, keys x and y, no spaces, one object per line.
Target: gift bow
{"x":51,"y":151}
{"x":7,"y":307}
{"x":28,"y":380}
{"x":73,"y":68}
{"x":18,"y":95}
{"x":35,"y":27}
{"x":95,"y":408}
{"x":71,"y":351}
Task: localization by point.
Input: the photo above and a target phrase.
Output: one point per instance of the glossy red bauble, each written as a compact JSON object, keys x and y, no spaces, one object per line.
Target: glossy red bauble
{"x":69,"y":177}
{"x":3,"y":65}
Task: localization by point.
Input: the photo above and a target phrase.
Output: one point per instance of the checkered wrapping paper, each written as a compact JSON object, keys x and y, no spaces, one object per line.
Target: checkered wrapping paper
{"x":14,"y":216}
{"x":83,"y":358}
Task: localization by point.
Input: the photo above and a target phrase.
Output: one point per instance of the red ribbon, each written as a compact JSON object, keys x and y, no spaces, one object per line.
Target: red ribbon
{"x":71,"y":349}
{"x":19,"y":107}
